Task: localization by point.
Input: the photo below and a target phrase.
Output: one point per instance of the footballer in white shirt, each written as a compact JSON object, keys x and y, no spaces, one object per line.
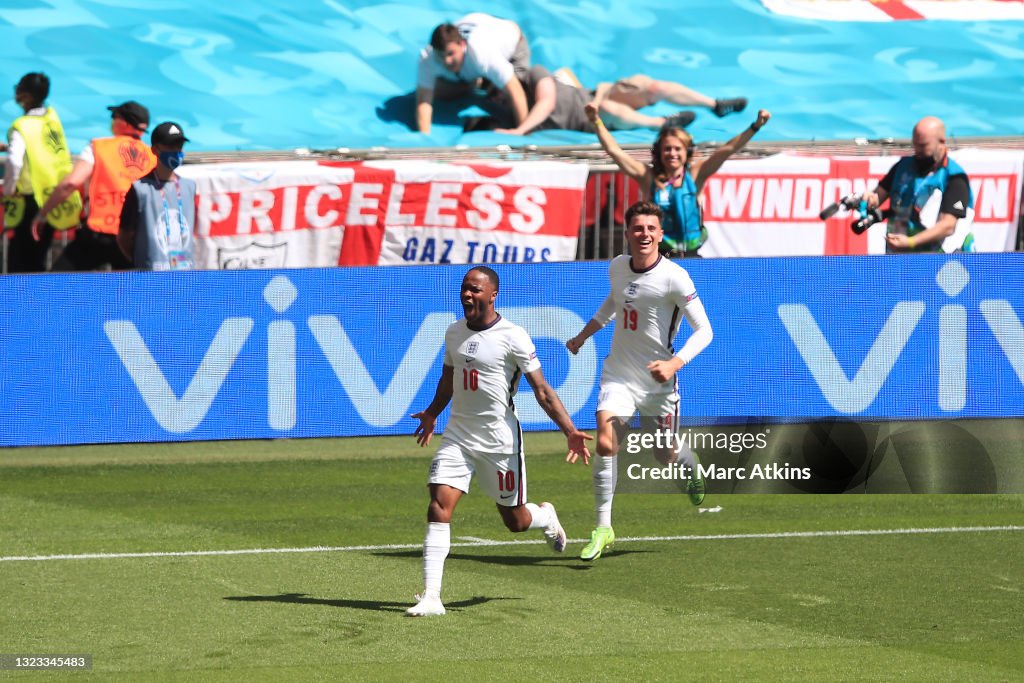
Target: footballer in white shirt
{"x":649,"y":297}
{"x":484,"y":358}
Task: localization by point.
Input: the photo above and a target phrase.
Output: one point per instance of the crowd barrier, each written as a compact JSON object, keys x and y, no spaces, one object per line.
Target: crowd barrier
{"x":315,"y":352}
{"x":404,"y":212}
{"x":318,"y":213}
{"x":770,"y":206}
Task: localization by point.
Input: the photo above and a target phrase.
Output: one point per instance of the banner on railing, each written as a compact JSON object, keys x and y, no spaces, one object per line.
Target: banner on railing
{"x":770,"y":207}
{"x":310,"y":214}
{"x":134,"y":356}
{"x":306,"y":213}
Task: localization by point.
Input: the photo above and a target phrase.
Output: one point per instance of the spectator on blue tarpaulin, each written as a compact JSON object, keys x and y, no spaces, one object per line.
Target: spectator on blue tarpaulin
{"x":619,"y":101}
{"x":107,"y":167}
{"x":558,"y":100}
{"x":158,"y":219}
{"x":930,"y":199}
{"x":475,"y":51}
{"x":37,"y":159}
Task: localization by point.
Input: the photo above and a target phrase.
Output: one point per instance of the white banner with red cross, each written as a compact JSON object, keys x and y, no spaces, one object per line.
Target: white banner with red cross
{"x":770,"y":207}
{"x":306,"y":213}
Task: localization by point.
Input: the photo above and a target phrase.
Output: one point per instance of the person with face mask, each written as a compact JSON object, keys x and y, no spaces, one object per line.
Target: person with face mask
{"x":106,"y":168}
{"x":931,"y":204}
{"x":159,"y":215}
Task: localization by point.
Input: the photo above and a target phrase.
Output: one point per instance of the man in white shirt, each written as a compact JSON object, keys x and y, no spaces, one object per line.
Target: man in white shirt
{"x":477,"y":46}
{"x":649,"y":296}
{"x":484,"y":358}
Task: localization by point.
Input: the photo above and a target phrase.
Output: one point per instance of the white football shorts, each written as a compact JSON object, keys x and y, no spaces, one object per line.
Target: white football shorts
{"x":624,"y":400}
{"x":502,"y":476}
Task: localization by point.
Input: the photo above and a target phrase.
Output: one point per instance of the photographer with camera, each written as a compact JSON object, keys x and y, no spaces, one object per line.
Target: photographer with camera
{"x":929,"y":195}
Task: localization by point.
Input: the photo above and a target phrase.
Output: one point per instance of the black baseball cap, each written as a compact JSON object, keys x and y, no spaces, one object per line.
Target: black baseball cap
{"x":168,"y":133}
{"x":132,"y":113}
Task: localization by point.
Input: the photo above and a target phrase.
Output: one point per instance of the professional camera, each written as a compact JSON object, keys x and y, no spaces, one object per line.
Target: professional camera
{"x":854,"y":202}
{"x":850,"y":201}
{"x":866,"y":220}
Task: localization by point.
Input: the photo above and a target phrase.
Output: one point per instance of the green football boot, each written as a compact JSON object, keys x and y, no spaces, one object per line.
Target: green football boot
{"x":600,"y":538}
{"x":695,"y":487}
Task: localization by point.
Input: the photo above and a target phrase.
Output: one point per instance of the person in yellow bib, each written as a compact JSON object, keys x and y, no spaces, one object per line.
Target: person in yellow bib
{"x":37,"y":159}
{"x":107,"y":167}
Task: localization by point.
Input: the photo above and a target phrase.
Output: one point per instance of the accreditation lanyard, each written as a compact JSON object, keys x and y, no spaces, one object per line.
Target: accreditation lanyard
{"x":167,"y":213}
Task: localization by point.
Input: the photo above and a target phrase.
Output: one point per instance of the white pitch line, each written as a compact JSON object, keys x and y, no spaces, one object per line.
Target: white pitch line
{"x":476,"y":540}
{"x":481,"y":543}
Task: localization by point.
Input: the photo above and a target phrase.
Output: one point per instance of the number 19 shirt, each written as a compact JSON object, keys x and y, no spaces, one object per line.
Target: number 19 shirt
{"x":649,"y":306}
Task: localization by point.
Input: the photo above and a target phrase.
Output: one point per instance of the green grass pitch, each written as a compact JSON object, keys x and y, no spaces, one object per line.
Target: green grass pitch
{"x":723,"y":605}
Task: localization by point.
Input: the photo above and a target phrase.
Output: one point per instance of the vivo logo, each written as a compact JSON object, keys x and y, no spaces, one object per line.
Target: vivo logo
{"x":856,"y":395}
{"x":377,"y":408}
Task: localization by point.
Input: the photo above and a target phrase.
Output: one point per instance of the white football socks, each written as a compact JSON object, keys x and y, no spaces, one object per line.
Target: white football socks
{"x":435,"y":549}
{"x":684,"y":457}
{"x":541,"y":516}
{"x":605,"y":476}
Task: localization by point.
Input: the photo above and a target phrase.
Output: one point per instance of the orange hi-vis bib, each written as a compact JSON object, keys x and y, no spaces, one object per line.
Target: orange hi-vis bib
{"x":119,"y":162}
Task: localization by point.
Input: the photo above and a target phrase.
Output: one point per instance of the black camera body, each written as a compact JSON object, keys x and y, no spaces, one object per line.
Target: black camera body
{"x":867,"y":220}
{"x":854,"y":202}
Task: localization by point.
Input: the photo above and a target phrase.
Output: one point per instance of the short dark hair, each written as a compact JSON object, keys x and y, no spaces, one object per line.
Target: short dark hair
{"x":491,"y":275}
{"x":644,"y":208}
{"x":36,"y":85}
{"x":444,"y":34}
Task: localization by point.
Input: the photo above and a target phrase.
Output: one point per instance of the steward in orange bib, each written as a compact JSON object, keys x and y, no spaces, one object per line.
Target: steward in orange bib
{"x":108,"y":167}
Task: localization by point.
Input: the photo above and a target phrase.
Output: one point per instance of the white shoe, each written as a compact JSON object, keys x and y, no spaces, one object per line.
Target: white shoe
{"x":426,"y":607}
{"x":554,"y":533}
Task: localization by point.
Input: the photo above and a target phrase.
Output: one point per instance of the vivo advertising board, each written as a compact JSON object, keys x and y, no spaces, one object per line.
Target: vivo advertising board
{"x":123,"y":357}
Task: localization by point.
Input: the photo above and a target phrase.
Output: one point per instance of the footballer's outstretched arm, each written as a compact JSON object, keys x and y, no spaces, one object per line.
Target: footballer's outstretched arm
{"x":548,"y":400}
{"x":600,"y":319}
{"x":589,"y":330}
{"x":442,"y":396}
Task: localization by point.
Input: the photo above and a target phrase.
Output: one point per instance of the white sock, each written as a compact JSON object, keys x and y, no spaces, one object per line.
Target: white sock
{"x":541,"y":516}
{"x":435,"y":549}
{"x":684,"y":457}
{"x":605,"y":476}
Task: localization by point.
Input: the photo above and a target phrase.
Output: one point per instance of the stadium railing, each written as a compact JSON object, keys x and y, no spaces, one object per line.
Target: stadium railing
{"x":608,"y":191}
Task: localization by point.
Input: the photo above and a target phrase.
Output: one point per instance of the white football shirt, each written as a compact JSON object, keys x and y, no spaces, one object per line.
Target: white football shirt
{"x":648,"y":307}
{"x":487,"y":366}
{"x":490,"y":43}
